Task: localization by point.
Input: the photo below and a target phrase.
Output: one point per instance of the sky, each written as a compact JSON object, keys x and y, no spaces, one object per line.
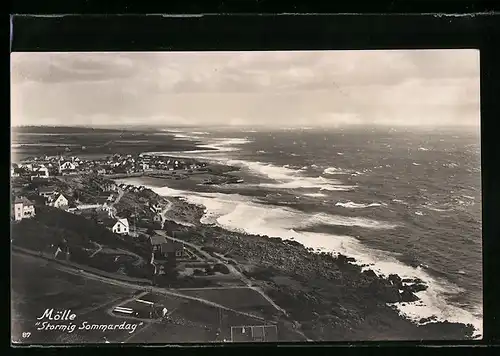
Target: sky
{"x":285,"y":89}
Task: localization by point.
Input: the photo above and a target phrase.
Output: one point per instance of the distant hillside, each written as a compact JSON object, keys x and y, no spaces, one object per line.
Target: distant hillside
{"x":62,"y":129}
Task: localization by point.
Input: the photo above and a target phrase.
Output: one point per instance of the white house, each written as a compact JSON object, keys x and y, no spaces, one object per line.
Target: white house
{"x":40,"y":172}
{"x":27,"y":166}
{"x":67,"y":166}
{"x":14,"y":171}
{"x":23,"y":209}
{"x":121,"y":227}
{"x":58,"y":201}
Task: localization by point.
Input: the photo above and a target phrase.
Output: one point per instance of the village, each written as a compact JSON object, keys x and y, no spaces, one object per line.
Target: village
{"x":85,"y":187}
{"x":144,"y":249}
{"x":71,"y":213}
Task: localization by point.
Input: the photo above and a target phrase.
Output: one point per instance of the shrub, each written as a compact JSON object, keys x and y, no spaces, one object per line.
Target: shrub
{"x":219,"y":267}
{"x":198,"y":272}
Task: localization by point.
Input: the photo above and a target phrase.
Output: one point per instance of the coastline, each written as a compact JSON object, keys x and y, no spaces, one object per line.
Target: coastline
{"x":393,"y":291}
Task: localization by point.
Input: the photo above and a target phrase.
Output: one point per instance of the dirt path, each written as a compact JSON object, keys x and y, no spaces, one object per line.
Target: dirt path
{"x":240,"y":275}
{"x":112,"y":205}
{"x":99,"y":249}
{"x":231,"y":268}
{"x":164,"y":212}
{"x":212,"y":288}
{"x":131,"y":285}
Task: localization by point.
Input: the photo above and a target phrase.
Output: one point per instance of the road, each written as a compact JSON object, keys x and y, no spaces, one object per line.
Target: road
{"x":212,"y":288}
{"x":164,"y":213}
{"x":99,"y":248}
{"x":158,"y":290}
{"x":237,"y":273}
{"x":231,"y":268}
{"x":112,"y":205}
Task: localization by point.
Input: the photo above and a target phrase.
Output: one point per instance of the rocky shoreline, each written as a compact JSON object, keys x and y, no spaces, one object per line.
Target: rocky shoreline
{"x":331,"y":296}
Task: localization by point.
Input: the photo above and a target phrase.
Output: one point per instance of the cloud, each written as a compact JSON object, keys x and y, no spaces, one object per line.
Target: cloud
{"x":284,"y":88}
{"x":69,"y":67}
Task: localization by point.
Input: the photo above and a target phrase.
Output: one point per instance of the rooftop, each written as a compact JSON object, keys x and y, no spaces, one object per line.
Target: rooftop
{"x":46,"y":189}
{"x":23,"y":200}
{"x":171,"y":246}
{"x":108,"y":221}
{"x":124,"y":221}
{"x":157,"y":240}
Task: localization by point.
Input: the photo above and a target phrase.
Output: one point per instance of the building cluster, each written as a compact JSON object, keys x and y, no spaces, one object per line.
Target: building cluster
{"x":22,"y":208}
{"x":131,"y":188}
{"x":100,"y":194}
{"x":44,"y":167}
{"x":164,"y":251}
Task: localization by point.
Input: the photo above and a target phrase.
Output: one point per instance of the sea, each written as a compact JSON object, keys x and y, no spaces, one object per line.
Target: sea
{"x":405,"y":201}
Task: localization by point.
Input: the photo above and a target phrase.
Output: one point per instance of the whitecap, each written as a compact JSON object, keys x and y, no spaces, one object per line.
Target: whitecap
{"x":334,"y":171}
{"x":352,"y":205}
{"x":314,"y":195}
{"x":238,"y":213}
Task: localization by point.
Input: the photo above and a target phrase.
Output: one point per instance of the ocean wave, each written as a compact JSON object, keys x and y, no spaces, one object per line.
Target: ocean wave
{"x":183,"y":136}
{"x":352,"y":205}
{"x":201,"y":133}
{"x":301,"y":184}
{"x":334,"y":171}
{"x":339,"y":220}
{"x":225,"y":144}
{"x":436,"y":209}
{"x":171,"y":130}
{"x":314,"y":195}
{"x":234,"y":212}
{"x":213,"y":148}
{"x":288,"y":178}
{"x":423,"y":149}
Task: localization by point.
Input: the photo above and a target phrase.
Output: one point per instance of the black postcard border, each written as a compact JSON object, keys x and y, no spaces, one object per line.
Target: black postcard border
{"x":305,"y":32}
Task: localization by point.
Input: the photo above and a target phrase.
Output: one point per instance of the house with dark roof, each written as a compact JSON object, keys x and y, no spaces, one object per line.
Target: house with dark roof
{"x":156,"y":241}
{"x":164,"y":250}
{"x":172,"y":250}
{"x":46,"y":192}
{"x":22,"y":208}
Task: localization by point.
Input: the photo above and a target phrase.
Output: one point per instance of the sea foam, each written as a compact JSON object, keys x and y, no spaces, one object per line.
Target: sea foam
{"x":238,"y":213}
{"x":352,"y":205}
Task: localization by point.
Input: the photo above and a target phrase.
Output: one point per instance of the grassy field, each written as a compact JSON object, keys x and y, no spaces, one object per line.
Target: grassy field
{"x":37,"y":286}
{"x":242,"y":299}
